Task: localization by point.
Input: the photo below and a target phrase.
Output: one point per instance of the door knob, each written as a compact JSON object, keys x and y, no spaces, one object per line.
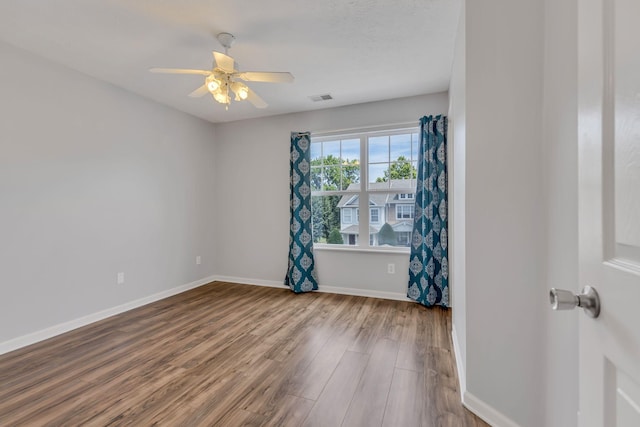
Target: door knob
{"x":589,"y":300}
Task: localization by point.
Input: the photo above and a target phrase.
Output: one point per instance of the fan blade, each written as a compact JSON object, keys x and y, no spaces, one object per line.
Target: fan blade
{"x":265,"y":76}
{"x":179,"y":71}
{"x":201,"y":91}
{"x":224,"y":62}
{"x":257,"y":102}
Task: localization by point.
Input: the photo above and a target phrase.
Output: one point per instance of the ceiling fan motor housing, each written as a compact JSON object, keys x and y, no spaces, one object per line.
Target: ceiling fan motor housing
{"x":226,"y":40}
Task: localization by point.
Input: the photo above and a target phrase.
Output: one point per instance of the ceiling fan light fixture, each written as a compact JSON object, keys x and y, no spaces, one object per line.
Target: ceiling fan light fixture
{"x":221,"y":81}
{"x":212,"y":84}
{"x":241,"y":91}
{"x":221,"y":97}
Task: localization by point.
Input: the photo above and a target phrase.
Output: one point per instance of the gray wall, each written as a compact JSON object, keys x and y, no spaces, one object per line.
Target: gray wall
{"x":560,"y":162}
{"x":513,"y":102}
{"x":457,"y":196}
{"x":505,"y":224}
{"x":253,"y":164}
{"x":504,"y":221}
{"x":95,"y":181}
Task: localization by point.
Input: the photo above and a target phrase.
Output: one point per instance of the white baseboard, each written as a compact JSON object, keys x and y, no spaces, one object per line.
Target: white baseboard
{"x":325,"y":289}
{"x":61,"y":328}
{"x":487,"y":412}
{"x":365,"y":293}
{"x":471,"y":402}
{"x":247,"y":281}
{"x":462,"y":375}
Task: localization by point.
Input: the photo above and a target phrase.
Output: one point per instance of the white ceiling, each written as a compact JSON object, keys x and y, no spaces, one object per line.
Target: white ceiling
{"x":356,"y":50}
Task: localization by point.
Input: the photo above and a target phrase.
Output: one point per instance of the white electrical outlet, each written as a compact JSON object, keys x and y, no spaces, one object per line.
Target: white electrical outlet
{"x":120,"y":278}
{"x":198,"y":260}
{"x":391,"y":268}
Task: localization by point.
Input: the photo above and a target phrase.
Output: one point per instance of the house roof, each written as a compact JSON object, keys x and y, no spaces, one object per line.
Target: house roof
{"x":353,"y":229}
{"x":349,"y":200}
{"x":378,"y":198}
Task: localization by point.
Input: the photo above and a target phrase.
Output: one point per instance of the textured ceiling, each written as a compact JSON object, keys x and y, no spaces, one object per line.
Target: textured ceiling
{"x":356,"y":50}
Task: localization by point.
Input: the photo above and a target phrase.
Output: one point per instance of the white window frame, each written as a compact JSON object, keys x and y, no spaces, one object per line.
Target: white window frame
{"x":365,"y":192}
{"x":405,"y":196}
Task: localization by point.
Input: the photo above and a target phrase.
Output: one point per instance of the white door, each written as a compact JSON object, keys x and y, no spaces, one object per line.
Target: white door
{"x":609,"y":163}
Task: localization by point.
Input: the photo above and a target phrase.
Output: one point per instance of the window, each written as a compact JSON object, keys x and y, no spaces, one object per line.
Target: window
{"x":404,"y":238}
{"x":404,"y":211}
{"x":364,"y":170}
{"x":346,"y":215}
{"x":375,"y":217}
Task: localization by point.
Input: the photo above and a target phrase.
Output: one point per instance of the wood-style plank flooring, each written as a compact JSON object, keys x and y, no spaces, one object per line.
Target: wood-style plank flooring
{"x":235,"y":355}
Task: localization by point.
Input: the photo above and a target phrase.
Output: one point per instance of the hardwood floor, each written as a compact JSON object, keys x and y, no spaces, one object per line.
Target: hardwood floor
{"x":233,"y":355}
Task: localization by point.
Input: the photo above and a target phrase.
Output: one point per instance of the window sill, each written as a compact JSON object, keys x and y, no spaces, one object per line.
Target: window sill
{"x":345,"y":248}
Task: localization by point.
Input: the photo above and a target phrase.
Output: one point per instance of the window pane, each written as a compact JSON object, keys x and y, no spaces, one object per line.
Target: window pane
{"x":398,"y":170}
{"x":316,"y":178}
{"x":341,"y":161}
{"x":402,"y":170}
{"x":400,"y":146}
{"x":395,"y":219}
{"x":415,"y":146}
{"x":378,"y":149}
{"x":350,"y":175}
{"x":331,"y":148}
{"x":316,"y":151}
{"x":332,"y":178}
{"x":325,"y":219}
{"x":351,"y":150}
{"x":377,"y":173}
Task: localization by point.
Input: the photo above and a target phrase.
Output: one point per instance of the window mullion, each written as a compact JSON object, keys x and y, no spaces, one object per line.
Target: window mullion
{"x":363,"y":226}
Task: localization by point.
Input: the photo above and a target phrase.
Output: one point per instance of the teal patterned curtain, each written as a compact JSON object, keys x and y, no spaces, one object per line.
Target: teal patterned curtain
{"x":429,"y":264}
{"x":301,"y":273}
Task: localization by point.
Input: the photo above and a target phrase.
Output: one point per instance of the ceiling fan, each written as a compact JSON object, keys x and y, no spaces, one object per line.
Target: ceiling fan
{"x":223,"y":79}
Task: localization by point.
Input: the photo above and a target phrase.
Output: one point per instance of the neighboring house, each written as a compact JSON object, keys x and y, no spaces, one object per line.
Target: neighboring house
{"x":396,"y":209}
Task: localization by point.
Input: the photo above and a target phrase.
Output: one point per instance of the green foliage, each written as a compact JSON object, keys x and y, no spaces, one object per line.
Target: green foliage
{"x":325,"y":216}
{"x":335,"y":175}
{"x":335,"y":237}
{"x":387,"y":235}
{"x":400,"y":169}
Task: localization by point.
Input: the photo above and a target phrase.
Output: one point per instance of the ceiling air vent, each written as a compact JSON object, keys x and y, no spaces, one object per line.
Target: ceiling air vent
{"x":318,"y":98}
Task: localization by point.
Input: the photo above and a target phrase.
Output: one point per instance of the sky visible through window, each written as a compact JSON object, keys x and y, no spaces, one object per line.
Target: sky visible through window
{"x":387,"y":149}
{"x":382,"y":150}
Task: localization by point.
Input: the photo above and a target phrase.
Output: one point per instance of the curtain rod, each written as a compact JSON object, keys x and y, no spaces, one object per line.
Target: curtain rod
{"x":364,"y":128}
